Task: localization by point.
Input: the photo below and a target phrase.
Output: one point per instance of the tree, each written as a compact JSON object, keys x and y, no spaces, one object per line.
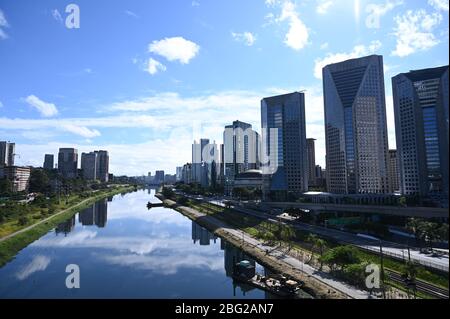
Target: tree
{"x":340,"y":257}
{"x":39,"y":181}
{"x":287,"y":234}
{"x":318,"y":243}
{"x":5,"y":186}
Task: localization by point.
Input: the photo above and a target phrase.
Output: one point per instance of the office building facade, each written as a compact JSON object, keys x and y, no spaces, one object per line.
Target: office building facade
{"x":355,"y":126}
{"x":311,"y":152}
{"x":284,"y":148}
{"x":49,"y":162}
{"x":68,"y":162}
{"x":394,"y":174}
{"x":7,"y":152}
{"x":421,"y":102}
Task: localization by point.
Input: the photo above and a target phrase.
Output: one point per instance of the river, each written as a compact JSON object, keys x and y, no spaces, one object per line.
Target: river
{"x":124,"y":250}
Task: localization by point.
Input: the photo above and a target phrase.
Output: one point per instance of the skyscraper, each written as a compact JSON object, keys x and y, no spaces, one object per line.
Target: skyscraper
{"x":159,"y":177}
{"x":311,"y":151}
{"x":49,"y":162}
{"x":421,"y":121}
{"x":89,"y":163}
{"x":201,"y":155}
{"x":68,"y":162}
{"x":284,"y":144}
{"x":7,"y":152}
{"x":241,"y":150}
{"x":355,"y":126}
{"x":394,"y":175}
{"x":102,"y":166}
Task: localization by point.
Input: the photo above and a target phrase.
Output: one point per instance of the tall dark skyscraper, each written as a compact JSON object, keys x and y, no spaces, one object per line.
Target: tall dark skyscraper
{"x":284,"y":144}
{"x":102,"y":165}
{"x":421,"y":122}
{"x":49,"y":162}
{"x":68,"y":162}
{"x":355,"y":126}
{"x":310,"y":142}
{"x":7,"y":152}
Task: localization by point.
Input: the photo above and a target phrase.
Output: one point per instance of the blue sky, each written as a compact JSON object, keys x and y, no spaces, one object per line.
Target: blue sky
{"x":142,"y":79}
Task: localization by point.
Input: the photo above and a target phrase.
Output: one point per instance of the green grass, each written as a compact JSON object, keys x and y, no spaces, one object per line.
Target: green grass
{"x":10,"y":247}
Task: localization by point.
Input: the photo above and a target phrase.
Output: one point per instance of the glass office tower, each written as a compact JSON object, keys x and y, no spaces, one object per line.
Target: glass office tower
{"x":355,"y":126}
{"x":421,"y":122}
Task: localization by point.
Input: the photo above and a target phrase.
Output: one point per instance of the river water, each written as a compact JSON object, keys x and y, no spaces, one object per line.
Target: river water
{"x":124,"y":250}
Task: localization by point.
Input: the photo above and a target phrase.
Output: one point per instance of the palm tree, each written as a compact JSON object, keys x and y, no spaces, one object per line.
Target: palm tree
{"x":312,"y":239}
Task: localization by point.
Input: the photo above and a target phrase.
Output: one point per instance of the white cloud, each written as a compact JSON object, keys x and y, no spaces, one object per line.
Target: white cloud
{"x":414,"y":32}
{"x":439,"y":4}
{"x":323,"y":6}
{"x":297,"y":35}
{"x":175,"y":49}
{"x":154,"y":66}
{"x":38,"y":263}
{"x":376,"y":11}
{"x":46,"y":109}
{"x":3,"y":24}
{"x":324,"y":46}
{"x":246,"y":37}
{"x":131,"y":14}
{"x":57,"y":16}
{"x":81,"y":130}
{"x":330,"y":58}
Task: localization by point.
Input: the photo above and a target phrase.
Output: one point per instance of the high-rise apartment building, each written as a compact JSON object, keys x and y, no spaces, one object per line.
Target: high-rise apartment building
{"x":284,"y":149}
{"x":421,"y":121}
{"x":355,"y":126}
{"x":89,"y":165}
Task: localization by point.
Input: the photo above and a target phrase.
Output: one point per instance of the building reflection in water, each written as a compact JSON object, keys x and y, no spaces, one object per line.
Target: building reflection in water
{"x":65,"y":227}
{"x":202,"y":235}
{"x":97,"y":214}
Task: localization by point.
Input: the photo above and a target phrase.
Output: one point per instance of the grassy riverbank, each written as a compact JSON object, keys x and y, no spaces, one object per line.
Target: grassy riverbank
{"x":11,"y":246}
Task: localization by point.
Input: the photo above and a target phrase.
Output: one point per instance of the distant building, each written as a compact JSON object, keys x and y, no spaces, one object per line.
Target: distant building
{"x":284,"y":144}
{"x":49,"y":162}
{"x":89,"y":163}
{"x":68,"y":162}
{"x":18,"y":176}
{"x":311,"y":152}
{"x":186,"y":175}
{"x":170,"y":179}
{"x":199,"y":159}
{"x":159,"y":177}
{"x":7,"y":152}
{"x":241,"y":150}
{"x":421,"y":103}
{"x":179,"y":173}
{"x":102,"y":166}
{"x":355,"y":126}
{"x":394,"y":174}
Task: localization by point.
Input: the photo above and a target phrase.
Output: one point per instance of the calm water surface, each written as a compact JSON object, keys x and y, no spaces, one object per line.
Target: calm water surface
{"x":124,"y":250}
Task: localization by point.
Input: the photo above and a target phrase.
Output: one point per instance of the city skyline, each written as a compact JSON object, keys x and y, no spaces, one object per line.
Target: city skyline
{"x":156,"y":106}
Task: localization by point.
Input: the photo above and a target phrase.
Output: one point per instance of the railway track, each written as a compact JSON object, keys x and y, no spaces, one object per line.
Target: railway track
{"x":421,"y":286}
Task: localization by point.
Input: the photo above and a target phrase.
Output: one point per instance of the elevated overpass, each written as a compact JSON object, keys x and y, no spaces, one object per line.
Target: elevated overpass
{"x":424,"y":212}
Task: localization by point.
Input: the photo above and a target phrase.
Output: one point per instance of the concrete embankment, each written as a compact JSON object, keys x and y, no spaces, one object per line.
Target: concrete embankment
{"x":313,"y":285}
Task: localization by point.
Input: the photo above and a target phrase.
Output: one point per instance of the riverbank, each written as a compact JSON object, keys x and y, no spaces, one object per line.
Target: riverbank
{"x":258,"y":251}
{"x":11,"y":244}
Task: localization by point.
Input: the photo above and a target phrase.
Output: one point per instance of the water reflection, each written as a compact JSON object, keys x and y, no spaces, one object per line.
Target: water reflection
{"x":125,"y":251}
{"x":97,"y":214}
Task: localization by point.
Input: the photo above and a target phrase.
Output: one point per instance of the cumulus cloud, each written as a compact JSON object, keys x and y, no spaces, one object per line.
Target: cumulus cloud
{"x":439,"y":4}
{"x":175,"y":49}
{"x":46,"y":109}
{"x":376,"y":11}
{"x":330,"y":58}
{"x":297,"y":35}
{"x":246,"y":37}
{"x":414,"y":32}
{"x":3,"y":24}
{"x":154,"y":66}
